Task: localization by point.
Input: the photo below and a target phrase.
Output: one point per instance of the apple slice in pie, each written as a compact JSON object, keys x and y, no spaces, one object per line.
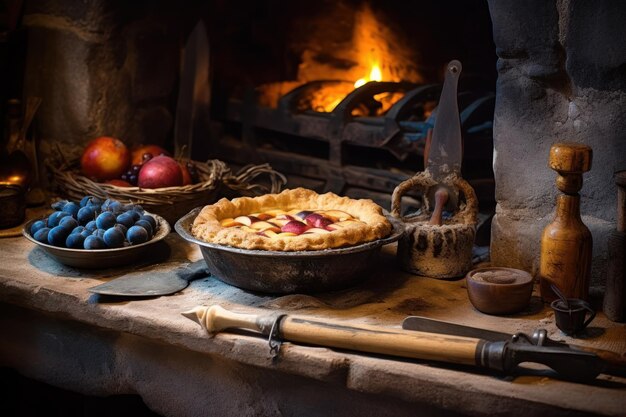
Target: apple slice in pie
{"x":293,"y":220}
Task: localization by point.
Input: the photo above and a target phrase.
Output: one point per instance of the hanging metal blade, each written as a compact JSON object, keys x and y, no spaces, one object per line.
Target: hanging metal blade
{"x":444,"y":149}
{"x":194,"y":95}
{"x":445,"y":153}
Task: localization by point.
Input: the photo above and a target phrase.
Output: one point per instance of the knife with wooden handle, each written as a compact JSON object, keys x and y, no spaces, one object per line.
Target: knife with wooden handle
{"x":501,"y":355}
{"x":616,"y":363}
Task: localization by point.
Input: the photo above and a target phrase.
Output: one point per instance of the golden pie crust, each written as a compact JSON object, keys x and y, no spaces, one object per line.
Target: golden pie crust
{"x":364,"y":222}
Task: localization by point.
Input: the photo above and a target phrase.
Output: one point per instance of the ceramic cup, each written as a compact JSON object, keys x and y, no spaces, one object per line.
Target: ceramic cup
{"x":574,"y":319}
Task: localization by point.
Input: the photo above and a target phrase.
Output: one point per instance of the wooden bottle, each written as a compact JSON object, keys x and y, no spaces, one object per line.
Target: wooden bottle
{"x":566,"y":242}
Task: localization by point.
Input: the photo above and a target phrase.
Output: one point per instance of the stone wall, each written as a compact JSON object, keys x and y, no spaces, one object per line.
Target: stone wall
{"x":561,"y":77}
{"x":104,"y":67}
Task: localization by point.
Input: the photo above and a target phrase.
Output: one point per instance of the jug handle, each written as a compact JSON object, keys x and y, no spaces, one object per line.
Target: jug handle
{"x":422,"y":181}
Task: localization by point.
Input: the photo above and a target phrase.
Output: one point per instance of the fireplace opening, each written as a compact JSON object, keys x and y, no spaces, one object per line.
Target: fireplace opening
{"x":339,"y":96}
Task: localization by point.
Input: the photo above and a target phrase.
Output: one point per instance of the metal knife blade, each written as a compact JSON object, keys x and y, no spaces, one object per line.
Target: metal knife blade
{"x":616,"y":362}
{"x":194,"y":95}
{"x":445,"y":153}
{"x":425,"y":324}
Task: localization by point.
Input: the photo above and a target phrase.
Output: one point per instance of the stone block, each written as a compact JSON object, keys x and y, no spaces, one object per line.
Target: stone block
{"x":595,"y":44}
{"x":554,"y":86}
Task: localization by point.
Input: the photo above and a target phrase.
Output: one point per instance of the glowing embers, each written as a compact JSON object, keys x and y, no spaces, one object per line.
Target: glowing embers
{"x":373,"y":53}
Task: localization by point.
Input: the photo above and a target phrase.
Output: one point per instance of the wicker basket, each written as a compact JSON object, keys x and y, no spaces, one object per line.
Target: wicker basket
{"x":170,"y":203}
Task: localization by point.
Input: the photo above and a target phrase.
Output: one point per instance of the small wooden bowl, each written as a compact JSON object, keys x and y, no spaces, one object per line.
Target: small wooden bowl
{"x":497,"y":290}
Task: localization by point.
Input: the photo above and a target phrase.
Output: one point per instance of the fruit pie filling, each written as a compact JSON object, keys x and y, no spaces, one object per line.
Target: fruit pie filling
{"x":277,"y":223}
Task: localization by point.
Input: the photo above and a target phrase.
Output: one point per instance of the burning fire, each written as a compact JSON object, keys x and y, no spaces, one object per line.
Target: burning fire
{"x":375,"y":75}
{"x":374,"y":54}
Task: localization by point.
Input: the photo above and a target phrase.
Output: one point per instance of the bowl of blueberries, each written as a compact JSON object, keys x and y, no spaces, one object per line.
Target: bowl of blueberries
{"x":95,"y":233}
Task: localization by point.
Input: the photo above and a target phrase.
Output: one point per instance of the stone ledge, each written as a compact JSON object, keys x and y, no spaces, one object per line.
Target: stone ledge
{"x":30,"y":279}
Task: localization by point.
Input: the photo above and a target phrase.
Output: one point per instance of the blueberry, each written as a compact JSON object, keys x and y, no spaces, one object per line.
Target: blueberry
{"x":84,"y":201}
{"x":91,"y":226}
{"x":71,"y":208}
{"x":123,"y":228}
{"x":68,"y":222}
{"x":105,"y":220}
{"x":97,"y":208}
{"x":54,"y":218}
{"x":58,"y":205}
{"x":126,"y":219}
{"x":77,"y":229}
{"x":90,"y":200}
{"x":116,"y":207}
{"x":136,"y":235}
{"x":105,"y":204}
{"x":38,"y":225}
{"x":135,"y":213}
{"x":146,"y":225}
{"x":94,"y":242}
{"x":75,"y":241}
{"x":41,"y":235}
{"x":112,"y":205}
{"x":85,"y":215}
{"x":149,"y":219}
{"x":99,"y":233}
{"x":134,"y":207}
{"x":58,"y":235}
{"x":114,"y":237}
{"x":86,"y":233}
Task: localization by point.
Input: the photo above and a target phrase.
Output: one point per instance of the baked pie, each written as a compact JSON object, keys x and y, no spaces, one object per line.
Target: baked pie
{"x":293,"y":220}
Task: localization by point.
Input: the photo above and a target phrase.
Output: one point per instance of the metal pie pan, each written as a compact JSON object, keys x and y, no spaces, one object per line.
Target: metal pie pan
{"x":100,"y":258}
{"x":278,"y":272}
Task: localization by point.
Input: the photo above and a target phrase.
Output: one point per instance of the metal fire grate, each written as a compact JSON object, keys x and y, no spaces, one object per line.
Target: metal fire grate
{"x":360,"y":156}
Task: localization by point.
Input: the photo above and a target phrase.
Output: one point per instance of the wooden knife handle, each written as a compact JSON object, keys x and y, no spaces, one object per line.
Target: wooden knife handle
{"x":330,"y":333}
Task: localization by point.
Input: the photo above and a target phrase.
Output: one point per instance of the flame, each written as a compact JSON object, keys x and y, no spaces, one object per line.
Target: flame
{"x":377,"y":55}
{"x":375,"y":75}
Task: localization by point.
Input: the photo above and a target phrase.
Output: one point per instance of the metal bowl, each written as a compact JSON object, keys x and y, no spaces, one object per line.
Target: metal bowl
{"x":278,"y":272}
{"x":100,"y":258}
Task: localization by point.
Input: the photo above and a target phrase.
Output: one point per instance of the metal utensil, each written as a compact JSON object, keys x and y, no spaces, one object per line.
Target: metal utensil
{"x":194,"y":95}
{"x":152,"y":284}
{"x":445,"y":153}
{"x":560,"y":295}
{"x":616,"y":363}
{"x":445,"y":150}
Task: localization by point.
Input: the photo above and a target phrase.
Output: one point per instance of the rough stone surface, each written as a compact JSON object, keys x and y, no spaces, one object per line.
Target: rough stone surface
{"x":561,"y":78}
{"x":65,"y":336}
{"x":103,"y":68}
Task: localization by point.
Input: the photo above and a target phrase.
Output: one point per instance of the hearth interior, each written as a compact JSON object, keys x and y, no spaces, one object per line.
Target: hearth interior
{"x":340,"y":95}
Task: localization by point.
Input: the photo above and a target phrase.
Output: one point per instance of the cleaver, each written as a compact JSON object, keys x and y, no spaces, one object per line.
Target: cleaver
{"x":152,"y":284}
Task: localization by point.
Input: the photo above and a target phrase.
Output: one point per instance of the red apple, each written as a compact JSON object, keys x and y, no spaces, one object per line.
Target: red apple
{"x":295,"y":226}
{"x":138,"y":153}
{"x":186,"y":175}
{"x":317,"y":220}
{"x":105,"y":158}
{"x":160,"y":171}
{"x":119,"y":183}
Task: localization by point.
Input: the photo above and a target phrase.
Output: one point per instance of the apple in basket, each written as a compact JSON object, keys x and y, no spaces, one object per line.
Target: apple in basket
{"x":104,"y":158}
{"x":160,"y":171}
{"x":142,"y":153}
